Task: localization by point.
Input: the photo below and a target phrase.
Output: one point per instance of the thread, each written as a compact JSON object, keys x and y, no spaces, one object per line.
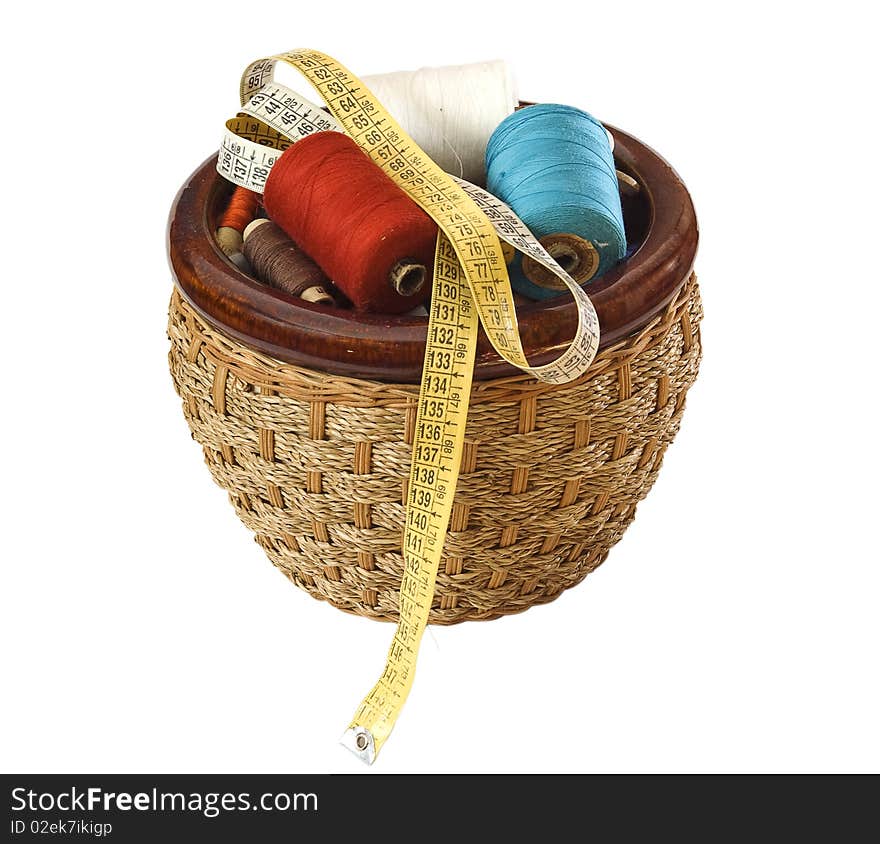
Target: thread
{"x":241,"y":209}
{"x":361,"y":229}
{"x":450,"y":112}
{"x":279,"y":262}
{"x":553,"y":165}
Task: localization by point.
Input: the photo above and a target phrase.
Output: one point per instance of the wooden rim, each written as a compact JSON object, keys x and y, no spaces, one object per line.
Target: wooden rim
{"x":660,"y":218}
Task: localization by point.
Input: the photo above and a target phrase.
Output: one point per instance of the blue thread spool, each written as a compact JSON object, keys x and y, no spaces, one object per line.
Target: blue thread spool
{"x":553,"y":165}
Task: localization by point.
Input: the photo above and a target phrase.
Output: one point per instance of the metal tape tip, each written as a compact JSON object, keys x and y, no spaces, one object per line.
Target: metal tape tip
{"x":359,"y":741}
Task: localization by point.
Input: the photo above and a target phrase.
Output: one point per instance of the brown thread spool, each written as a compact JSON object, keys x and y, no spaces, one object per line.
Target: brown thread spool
{"x":279,"y":262}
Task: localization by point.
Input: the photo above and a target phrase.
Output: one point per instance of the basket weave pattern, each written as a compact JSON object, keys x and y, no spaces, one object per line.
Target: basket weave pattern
{"x":317,"y":465}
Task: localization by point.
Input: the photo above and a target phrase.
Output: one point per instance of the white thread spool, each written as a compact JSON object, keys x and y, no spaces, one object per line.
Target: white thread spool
{"x":450,"y":112}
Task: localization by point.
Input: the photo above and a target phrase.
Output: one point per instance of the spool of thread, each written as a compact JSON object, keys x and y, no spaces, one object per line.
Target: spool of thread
{"x":361,"y":229}
{"x":553,"y":165}
{"x":450,"y":112}
{"x":279,"y":262}
{"x":241,"y":209}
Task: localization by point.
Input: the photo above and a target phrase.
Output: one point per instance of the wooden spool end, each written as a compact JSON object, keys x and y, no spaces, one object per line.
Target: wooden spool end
{"x":408,"y":277}
{"x":578,"y":257}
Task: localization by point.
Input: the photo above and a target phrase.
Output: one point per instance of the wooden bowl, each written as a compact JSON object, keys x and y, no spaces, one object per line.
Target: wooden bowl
{"x":662,"y":236}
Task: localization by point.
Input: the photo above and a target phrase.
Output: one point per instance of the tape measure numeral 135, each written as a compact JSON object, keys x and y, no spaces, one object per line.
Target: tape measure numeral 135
{"x":471,"y":287}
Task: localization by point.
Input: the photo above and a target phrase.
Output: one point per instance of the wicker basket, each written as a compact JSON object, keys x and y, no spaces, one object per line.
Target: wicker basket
{"x":316,"y":464}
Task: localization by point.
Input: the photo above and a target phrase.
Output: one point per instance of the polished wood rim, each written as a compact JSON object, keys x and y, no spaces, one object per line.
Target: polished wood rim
{"x":661,"y":229}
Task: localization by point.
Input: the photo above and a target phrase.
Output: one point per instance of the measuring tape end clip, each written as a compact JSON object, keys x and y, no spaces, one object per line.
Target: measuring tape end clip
{"x":359,"y":741}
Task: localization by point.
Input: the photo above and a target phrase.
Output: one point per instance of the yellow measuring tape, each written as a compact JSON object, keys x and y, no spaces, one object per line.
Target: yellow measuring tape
{"x":470,"y":285}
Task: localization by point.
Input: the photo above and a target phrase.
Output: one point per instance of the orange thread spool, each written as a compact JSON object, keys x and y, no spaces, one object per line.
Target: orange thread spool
{"x":242,"y":208}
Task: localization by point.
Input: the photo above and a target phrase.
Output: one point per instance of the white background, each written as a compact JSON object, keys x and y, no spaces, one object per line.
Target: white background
{"x":734,"y":628}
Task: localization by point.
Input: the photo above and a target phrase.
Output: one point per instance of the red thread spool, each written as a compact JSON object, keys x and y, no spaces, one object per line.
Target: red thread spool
{"x":367,"y":235}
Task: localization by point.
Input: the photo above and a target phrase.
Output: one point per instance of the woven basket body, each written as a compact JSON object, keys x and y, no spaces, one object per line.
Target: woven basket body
{"x":316,"y":465}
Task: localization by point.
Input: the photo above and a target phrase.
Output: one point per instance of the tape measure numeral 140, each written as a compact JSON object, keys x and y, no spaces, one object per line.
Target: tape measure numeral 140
{"x":471,"y":286}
